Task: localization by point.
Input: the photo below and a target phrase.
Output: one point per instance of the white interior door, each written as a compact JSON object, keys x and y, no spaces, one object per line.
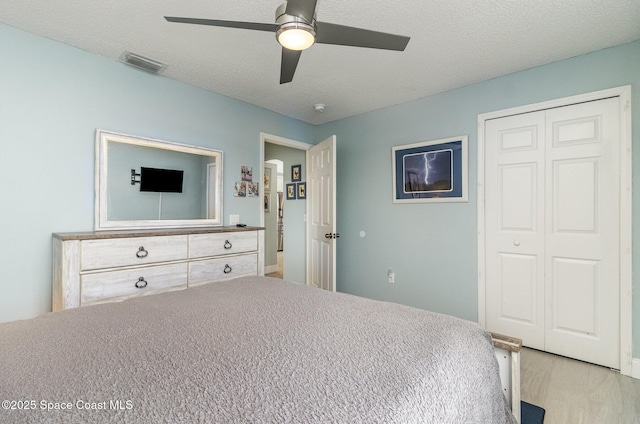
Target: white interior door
{"x":552,"y":210}
{"x":582,"y":232}
{"x":321,"y":204}
{"x":515,"y":155}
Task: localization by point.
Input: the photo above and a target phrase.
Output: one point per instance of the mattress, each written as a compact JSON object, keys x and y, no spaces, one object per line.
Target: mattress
{"x":250,"y":350}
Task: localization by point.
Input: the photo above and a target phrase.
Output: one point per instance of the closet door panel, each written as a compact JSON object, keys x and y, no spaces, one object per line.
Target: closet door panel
{"x":582,"y":238}
{"x":514,"y":227}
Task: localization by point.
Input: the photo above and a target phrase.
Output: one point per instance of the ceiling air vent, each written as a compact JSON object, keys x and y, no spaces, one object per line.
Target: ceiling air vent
{"x":142,"y":62}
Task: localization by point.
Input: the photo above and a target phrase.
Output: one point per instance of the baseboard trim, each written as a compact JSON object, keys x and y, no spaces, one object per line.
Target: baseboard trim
{"x":635,"y":368}
{"x":270,"y":268}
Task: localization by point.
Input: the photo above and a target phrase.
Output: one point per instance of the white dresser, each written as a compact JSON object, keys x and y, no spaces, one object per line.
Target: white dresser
{"x":98,"y":267}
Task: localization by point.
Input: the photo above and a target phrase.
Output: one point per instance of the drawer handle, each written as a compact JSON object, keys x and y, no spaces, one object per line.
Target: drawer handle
{"x":227,"y":269}
{"x":141,"y":283}
{"x":227,"y":245}
{"x":142,"y":253}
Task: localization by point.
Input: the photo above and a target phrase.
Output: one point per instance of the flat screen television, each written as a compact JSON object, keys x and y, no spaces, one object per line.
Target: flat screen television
{"x":161,"y":180}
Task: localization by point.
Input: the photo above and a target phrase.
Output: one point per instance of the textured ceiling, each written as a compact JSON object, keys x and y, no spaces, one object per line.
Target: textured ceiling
{"x":453,"y":43}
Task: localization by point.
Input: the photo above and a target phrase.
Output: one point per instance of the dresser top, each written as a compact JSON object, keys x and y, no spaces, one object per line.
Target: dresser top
{"x":89,"y":235}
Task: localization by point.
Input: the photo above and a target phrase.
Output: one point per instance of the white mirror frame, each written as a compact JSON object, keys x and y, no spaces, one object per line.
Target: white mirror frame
{"x":101,"y":220}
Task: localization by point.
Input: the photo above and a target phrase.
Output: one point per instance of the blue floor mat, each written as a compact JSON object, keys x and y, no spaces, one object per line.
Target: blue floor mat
{"x":531,"y":414}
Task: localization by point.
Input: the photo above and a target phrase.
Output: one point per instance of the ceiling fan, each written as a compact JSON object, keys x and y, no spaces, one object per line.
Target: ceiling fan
{"x":296,"y":29}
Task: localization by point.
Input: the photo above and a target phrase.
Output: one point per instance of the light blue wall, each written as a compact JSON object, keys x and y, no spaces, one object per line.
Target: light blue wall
{"x":52,"y":99}
{"x":433,"y":247}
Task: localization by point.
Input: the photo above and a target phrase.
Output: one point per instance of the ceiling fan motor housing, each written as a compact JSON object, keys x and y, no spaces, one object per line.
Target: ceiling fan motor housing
{"x":305,"y":32}
{"x":283,"y":18}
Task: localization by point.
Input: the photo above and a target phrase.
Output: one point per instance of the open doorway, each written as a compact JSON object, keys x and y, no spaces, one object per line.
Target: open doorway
{"x":273,"y":197}
{"x":283,"y":216}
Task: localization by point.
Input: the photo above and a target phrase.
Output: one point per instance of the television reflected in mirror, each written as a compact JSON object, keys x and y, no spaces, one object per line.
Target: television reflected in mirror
{"x":161,"y":180}
{"x":147,"y":183}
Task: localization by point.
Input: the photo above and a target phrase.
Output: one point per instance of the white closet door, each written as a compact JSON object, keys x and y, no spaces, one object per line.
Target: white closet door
{"x":582,"y":235}
{"x":552,"y":230}
{"x":514,"y":201}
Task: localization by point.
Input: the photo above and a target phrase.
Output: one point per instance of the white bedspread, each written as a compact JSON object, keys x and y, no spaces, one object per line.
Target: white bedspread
{"x":252,"y":350}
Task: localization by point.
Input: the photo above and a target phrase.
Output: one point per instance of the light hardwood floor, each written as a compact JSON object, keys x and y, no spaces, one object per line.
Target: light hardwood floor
{"x":278,"y":273}
{"x":574,"y":392}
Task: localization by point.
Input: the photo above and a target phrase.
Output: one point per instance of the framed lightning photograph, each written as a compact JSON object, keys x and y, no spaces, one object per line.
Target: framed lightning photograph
{"x":431,"y":171}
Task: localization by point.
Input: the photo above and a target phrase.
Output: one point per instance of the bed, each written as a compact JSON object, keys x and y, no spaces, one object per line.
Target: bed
{"x":249,"y":350}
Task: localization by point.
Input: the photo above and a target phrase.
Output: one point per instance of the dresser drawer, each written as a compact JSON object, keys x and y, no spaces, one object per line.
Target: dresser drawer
{"x":219,"y":269}
{"x":214,"y":244}
{"x":118,"y":252}
{"x":102,"y":287}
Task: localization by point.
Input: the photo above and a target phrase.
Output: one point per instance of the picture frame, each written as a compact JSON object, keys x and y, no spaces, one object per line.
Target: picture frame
{"x":431,"y":171}
{"x":240,"y":189}
{"x":267,"y":202}
{"x":267,"y":180}
{"x":253,"y":189}
{"x":291,"y":191}
{"x":247,"y":173}
{"x":302,"y":190}
{"x":296,"y":173}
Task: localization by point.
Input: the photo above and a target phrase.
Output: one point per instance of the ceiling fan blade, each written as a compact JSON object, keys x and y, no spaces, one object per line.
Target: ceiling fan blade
{"x":304,"y":9}
{"x":229,"y":24}
{"x":327,"y":33}
{"x":289,"y":64}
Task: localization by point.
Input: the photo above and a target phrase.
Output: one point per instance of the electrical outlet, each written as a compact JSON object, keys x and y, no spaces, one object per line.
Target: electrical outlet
{"x":391,"y":276}
{"x":234,"y":219}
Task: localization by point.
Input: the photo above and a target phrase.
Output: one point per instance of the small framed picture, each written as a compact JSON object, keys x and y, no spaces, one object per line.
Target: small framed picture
{"x":247,"y":173}
{"x":267,"y":202}
{"x":240,"y":189}
{"x":291,"y":191}
{"x":253,"y":189}
{"x":296,"y":173}
{"x":302,"y":190}
{"x":267,"y":180}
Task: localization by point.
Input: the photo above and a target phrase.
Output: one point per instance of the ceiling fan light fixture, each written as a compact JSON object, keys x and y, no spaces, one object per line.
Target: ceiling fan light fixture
{"x":296,"y":27}
{"x":296,"y":35}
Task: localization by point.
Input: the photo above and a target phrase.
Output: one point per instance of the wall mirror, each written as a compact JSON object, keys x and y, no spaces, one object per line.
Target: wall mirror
{"x":146,"y":183}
